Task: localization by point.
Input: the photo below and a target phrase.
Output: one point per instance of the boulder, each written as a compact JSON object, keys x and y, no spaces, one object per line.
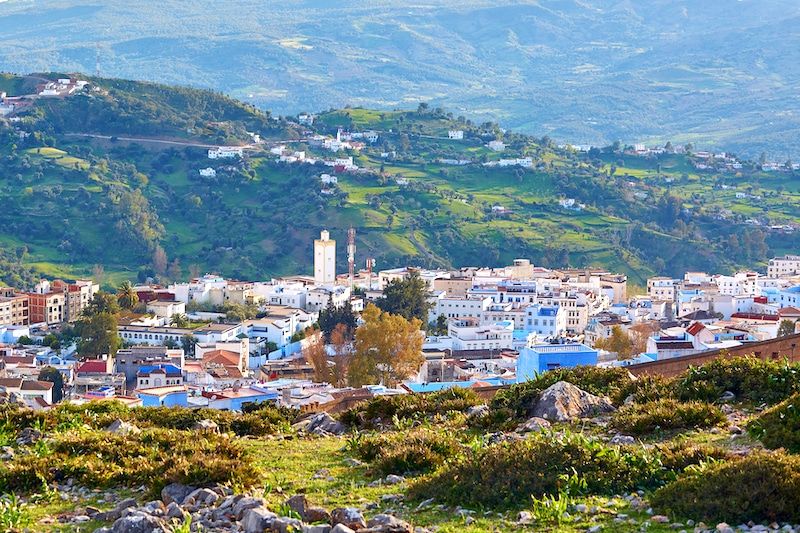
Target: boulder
{"x":385,"y":523}
{"x":318,"y":528}
{"x":533,"y":424}
{"x":257,"y":519}
{"x":28,"y":436}
{"x":563,"y":402}
{"x":393,"y":479}
{"x":298,"y":504}
{"x":139,"y":523}
{"x":284,"y":524}
{"x":316,"y":514}
{"x":174,"y":510}
{"x":201,"y":498}
{"x":341,"y":528}
{"x":117,"y":511}
{"x":348,"y":516}
{"x":248,"y":502}
{"x":206,"y":425}
{"x":120,"y":427}
{"x":324,"y":424}
{"x":175,"y":492}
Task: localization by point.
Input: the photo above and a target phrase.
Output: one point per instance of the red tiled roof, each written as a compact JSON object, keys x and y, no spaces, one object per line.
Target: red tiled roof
{"x":95,"y":366}
{"x":221,"y":357}
{"x":756,"y":316}
{"x":695,"y":328}
{"x":36,"y":385}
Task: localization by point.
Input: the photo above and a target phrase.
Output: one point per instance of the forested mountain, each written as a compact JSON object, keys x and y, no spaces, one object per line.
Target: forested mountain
{"x":718,"y":73}
{"x":134,"y":201}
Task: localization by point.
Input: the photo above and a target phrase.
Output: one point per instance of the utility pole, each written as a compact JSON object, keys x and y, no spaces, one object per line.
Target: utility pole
{"x":351,"y":255}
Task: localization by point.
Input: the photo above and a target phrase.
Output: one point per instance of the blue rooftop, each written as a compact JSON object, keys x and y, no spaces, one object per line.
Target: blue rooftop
{"x":169,"y":369}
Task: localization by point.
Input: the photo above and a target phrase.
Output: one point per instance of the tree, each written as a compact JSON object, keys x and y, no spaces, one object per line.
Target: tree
{"x":159,"y":260}
{"x":187,"y":343}
{"x":341,"y":341}
{"x":126,"y":295}
{"x":440,"y":326}
{"x":406,"y":297}
{"x":314,"y":354}
{"x":332,"y":316}
{"x":179,"y":320}
{"x":53,"y":376}
{"x":175,"y":270}
{"x":97,"y":327}
{"x":98,"y":274}
{"x":786,"y":328}
{"x":388,"y":349}
{"x":618,"y":342}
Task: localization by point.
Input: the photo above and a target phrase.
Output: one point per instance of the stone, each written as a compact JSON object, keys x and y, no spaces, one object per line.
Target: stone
{"x":139,"y":523}
{"x":524,"y":518}
{"x":727,"y":396}
{"x":533,"y":424}
{"x":393,"y":479}
{"x":120,"y":427}
{"x":298,"y":504}
{"x":201,"y":498}
{"x":118,"y":510}
{"x":477,"y":411}
{"x":385,"y":523}
{"x":353,"y":462}
{"x":248,"y":502}
{"x":424,"y":504}
{"x":324,"y":424}
{"x":257,"y":519}
{"x":174,"y":510}
{"x":285,"y":524}
{"x":622,"y":439}
{"x":28,"y":436}
{"x":563,"y":402}
{"x":341,"y":528}
{"x":594,"y":529}
{"x":348,"y":516}
{"x":80,"y":519}
{"x":722,"y":527}
{"x":206,"y":425}
{"x":175,"y":492}
{"x":581,"y":508}
{"x":316,"y":514}
{"x":735,"y":430}
{"x":659,"y":518}
{"x":6,"y":453}
{"x":318,"y":528}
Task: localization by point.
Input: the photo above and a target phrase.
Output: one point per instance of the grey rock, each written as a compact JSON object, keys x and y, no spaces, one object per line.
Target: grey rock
{"x":594,"y":529}
{"x":735,"y":430}
{"x":341,"y":528}
{"x":206,"y":425}
{"x":533,"y":424}
{"x":298,"y":504}
{"x":562,"y":402}
{"x":727,"y":396}
{"x":175,"y":492}
{"x":174,"y":510}
{"x":118,"y":510}
{"x":248,"y":502}
{"x":385,"y":523}
{"x":139,"y":523}
{"x":28,"y":436}
{"x":392,"y":479}
{"x":622,"y":439}
{"x":318,"y":528}
{"x":201,"y":498}
{"x":353,"y":462}
{"x":524,"y":518}
{"x":257,"y":519}
{"x":120,"y":427}
{"x":286,"y":525}
{"x":424,"y":504}
{"x":316,"y":514}
{"x":6,"y":453}
{"x":477,"y":411}
{"x":348,"y":516}
{"x":324,"y":424}
{"x":659,"y":518}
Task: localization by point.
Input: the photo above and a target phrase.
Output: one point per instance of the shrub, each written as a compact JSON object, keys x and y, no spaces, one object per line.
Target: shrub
{"x":664,"y":415}
{"x":645,"y":388}
{"x":750,"y":379}
{"x":521,"y":397}
{"x":495,"y":419}
{"x":384,"y":408}
{"x":763,"y":487}
{"x":677,"y":456}
{"x":413,"y":452}
{"x":509,"y":474}
{"x":154,"y":457}
{"x":779,"y":426}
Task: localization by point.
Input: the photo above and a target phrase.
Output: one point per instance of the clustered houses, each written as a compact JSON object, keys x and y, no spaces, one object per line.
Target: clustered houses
{"x":50,"y":303}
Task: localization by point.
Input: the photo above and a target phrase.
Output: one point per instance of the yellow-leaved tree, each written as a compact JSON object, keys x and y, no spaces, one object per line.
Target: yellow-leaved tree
{"x":388,"y":349}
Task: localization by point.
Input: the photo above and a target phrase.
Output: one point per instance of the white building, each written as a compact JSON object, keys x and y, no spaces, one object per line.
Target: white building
{"x":327,"y":179}
{"x":324,"y":259}
{"x":225,"y":152}
{"x":208,"y":172}
{"x":456,"y":135}
{"x":546,"y":321}
{"x":468,"y":335}
{"x":454,"y":307}
{"x":788,"y":265}
{"x":497,"y":146}
{"x":661,"y":288}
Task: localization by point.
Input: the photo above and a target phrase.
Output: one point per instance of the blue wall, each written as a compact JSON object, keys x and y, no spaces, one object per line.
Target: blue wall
{"x":174,"y":399}
{"x":532,"y":361}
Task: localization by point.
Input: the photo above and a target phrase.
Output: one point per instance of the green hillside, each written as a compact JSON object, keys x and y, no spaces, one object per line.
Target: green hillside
{"x":73,"y":201}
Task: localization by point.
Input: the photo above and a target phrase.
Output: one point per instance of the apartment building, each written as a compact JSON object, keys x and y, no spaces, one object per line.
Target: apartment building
{"x":14,"y":310}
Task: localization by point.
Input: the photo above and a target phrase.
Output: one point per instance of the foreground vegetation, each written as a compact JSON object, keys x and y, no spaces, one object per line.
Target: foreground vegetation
{"x":445,"y":459}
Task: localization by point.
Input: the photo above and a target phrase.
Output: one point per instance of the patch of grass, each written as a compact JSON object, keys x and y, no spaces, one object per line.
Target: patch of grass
{"x":779,"y":426}
{"x":385,"y":408}
{"x":762,"y":487}
{"x":410,"y":452}
{"x":665,"y":415}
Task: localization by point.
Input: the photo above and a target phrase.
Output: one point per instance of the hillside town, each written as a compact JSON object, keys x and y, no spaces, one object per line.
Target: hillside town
{"x":185,"y":344}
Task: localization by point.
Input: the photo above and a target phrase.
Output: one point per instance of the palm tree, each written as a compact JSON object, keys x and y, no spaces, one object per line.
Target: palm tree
{"x":126,"y":295}
{"x":179,"y":320}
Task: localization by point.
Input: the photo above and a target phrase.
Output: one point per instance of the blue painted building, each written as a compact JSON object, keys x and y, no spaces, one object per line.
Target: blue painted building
{"x":543,"y":357}
{"x":174,"y":396}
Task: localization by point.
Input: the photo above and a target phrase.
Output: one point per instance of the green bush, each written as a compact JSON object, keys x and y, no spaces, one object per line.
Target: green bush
{"x":413,"y":452}
{"x":154,"y":457}
{"x":750,"y":379}
{"x":510,"y":473}
{"x":384,"y":408}
{"x":495,"y":419}
{"x":664,"y":415}
{"x":779,"y":426}
{"x":645,"y":388}
{"x":521,"y":397}
{"x":677,"y":456}
{"x":763,"y":487}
